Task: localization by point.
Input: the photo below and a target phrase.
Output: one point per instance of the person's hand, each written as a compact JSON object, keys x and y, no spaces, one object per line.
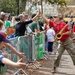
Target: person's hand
{"x":21,"y":55}
{"x":19,"y":64}
{"x":39,"y":11}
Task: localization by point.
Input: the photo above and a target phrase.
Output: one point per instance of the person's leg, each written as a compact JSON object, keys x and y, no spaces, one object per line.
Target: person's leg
{"x":71,"y":49}
{"x":51,"y":46}
{"x":57,"y":60}
{"x":48,"y":46}
{"x":60,"y":52}
{"x":55,"y":46}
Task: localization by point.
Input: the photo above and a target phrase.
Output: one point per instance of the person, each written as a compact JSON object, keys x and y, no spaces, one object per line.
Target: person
{"x":28,"y":30}
{"x":65,"y":41}
{"x":41,"y":24}
{"x":74,"y":29}
{"x":71,"y":24}
{"x":20,"y":27}
{"x":1,"y":24}
{"x":34,"y":24}
{"x":3,"y":18}
{"x":5,"y":61}
{"x":50,"y":37}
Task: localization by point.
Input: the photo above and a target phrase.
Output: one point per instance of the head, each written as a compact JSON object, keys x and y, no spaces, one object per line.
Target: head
{"x":58,"y":18}
{"x":33,"y":15}
{"x":9,"y":17}
{"x":51,"y":17}
{"x":48,"y":26}
{"x":25,"y":15}
{"x":4,"y":17}
{"x":1,"y":24}
{"x":21,"y":17}
{"x":3,"y":40}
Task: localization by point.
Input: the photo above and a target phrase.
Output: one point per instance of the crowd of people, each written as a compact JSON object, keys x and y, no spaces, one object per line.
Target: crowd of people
{"x":13,"y":26}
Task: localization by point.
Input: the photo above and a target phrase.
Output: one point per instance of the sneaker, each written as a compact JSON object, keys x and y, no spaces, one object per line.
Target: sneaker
{"x":49,"y":53}
{"x":54,"y":70}
{"x":52,"y":53}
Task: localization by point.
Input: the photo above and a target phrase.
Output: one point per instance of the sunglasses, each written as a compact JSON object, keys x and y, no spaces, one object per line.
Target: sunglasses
{"x":55,"y":16}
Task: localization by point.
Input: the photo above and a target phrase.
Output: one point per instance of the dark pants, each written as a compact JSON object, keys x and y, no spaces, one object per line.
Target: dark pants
{"x":50,"y":46}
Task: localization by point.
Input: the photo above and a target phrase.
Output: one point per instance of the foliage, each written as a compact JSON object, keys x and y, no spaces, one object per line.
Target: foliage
{"x":9,"y":6}
{"x":58,"y":2}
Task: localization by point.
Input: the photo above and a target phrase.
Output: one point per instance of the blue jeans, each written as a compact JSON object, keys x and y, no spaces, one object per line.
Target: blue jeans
{"x":50,"y":46}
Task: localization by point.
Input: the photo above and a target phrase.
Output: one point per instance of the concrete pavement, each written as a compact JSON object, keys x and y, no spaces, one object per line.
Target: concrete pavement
{"x":66,"y":66}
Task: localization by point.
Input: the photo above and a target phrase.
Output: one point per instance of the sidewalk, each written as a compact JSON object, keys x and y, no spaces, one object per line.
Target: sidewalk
{"x":66,"y":66}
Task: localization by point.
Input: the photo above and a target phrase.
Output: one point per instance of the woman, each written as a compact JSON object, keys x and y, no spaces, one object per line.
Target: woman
{"x":21,"y":25}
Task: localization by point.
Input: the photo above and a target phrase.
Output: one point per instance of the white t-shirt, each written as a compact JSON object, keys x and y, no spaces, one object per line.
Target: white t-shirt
{"x":28,"y":29}
{"x":50,"y":34}
{"x":3,"y":29}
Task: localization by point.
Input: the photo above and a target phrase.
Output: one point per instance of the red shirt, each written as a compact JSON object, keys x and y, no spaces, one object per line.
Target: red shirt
{"x":74,"y":29}
{"x":58,"y":27}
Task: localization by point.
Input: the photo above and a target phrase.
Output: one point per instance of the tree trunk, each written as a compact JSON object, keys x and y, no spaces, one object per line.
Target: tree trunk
{"x":41,"y":6}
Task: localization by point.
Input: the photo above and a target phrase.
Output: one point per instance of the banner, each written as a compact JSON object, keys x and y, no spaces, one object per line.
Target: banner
{"x":38,"y":46}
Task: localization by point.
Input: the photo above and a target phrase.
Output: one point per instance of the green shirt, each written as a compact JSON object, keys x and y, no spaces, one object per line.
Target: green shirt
{"x":7,"y":23}
{"x":33,"y":26}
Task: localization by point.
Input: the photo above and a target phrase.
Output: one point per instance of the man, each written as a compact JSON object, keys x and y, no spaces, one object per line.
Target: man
{"x":66,"y":41}
{"x":3,"y":60}
{"x":71,"y":24}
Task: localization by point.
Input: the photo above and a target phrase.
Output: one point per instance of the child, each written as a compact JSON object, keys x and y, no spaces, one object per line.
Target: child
{"x":50,"y":37}
{"x":3,"y":60}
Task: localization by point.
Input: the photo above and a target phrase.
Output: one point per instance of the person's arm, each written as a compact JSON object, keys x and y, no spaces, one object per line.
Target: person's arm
{"x":54,"y":33}
{"x":66,"y":33}
{"x":21,"y":55}
{"x":18,"y":64}
{"x":30,"y":21}
{"x":45,"y":18}
{"x":33,"y":19}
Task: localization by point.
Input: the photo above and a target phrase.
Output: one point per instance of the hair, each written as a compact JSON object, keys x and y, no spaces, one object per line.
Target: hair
{"x":50,"y":26}
{"x":13,"y":21}
{"x":50,"y":17}
{"x":33,"y":15}
{"x":1,"y":23}
{"x":9,"y":17}
{"x":2,"y":17}
{"x":17,"y":19}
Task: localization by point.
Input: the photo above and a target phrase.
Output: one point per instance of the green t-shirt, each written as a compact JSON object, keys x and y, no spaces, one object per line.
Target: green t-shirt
{"x":33,"y":26}
{"x":7,"y":23}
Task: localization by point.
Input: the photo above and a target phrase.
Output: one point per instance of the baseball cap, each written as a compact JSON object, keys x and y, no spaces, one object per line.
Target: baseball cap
{"x":2,"y":13}
{"x":58,"y":16}
{"x":3,"y":37}
{"x":20,"y":15}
